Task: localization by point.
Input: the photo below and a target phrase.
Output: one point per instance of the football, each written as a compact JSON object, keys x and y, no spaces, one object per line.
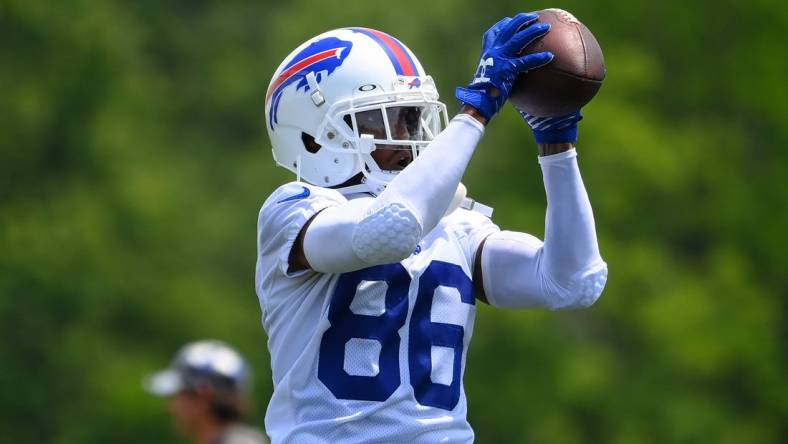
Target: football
{"x":571,"y":79}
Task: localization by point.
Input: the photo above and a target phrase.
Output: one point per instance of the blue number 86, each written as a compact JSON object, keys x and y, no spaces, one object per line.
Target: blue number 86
{"x":423,"y":335}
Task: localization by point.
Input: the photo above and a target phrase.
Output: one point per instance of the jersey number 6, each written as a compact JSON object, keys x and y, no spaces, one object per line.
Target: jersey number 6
{"x":423,"y":335}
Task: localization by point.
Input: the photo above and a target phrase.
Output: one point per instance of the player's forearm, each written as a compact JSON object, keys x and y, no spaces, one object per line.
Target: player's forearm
{"x":388,"y":228}
{"x":429,"y":183}
{"x":571,"y":251}
{"x":564,"y":271}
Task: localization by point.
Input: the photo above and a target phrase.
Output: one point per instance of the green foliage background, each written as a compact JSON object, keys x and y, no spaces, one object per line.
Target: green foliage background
{"x":133,"y":160}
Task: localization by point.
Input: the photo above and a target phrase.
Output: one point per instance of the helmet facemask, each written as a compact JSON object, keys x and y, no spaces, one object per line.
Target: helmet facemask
{"x":403,"y":122}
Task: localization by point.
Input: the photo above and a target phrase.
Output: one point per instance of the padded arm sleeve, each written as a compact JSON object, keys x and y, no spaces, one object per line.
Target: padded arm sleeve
{"x":386,"y":229}
{"x":566,"y":271}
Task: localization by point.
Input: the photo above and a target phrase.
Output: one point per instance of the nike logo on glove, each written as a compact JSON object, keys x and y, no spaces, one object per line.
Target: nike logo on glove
{"x":300,"y":195}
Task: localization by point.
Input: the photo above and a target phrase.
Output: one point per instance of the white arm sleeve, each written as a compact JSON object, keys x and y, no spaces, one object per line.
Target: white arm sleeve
{"x":386,"y":229}
{"x":566,"y":271}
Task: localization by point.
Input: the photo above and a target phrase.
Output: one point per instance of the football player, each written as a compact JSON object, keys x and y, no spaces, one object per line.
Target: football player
{"x":207,"y":385}
{"x":369,"y":265}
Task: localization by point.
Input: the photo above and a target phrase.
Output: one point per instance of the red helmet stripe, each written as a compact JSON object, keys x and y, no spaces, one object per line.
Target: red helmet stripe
{"x":400,"y":58}
{"x":298,"y":67}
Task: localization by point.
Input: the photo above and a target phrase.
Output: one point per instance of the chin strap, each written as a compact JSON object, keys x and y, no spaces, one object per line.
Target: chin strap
{"x":368,"y":186}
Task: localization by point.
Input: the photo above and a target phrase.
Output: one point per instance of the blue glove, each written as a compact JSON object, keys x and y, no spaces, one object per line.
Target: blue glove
{"x":562,"y":129}
{"x":500,"y":65}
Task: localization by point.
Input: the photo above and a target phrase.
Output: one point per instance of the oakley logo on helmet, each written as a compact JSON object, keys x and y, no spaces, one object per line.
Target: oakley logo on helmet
{"x":325,"y":55}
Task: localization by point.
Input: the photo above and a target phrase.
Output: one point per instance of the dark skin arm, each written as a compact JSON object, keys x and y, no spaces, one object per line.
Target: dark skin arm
{"x":297,"y":259}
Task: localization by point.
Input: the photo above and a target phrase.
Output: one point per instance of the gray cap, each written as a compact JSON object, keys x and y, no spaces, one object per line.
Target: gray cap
{"x":208,"y":363}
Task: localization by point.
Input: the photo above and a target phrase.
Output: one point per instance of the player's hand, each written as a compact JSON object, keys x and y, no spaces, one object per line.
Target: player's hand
{"x":554,"y":130}
{"x":500,"y":64}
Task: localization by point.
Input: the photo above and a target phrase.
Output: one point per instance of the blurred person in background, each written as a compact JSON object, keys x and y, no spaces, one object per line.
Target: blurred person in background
{"x":207,"y":385}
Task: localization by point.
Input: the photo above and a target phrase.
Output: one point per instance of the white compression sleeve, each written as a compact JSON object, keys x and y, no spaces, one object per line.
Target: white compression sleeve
{"x":386,"y":229}
{"x":566,"y":270}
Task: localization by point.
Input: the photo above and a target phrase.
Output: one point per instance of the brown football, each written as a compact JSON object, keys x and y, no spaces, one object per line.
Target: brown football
{"x":571,"y":79}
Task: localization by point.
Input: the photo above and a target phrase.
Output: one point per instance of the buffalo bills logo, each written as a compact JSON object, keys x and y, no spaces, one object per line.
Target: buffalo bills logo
{"x":322,"y":58}
{"x":415,"y":83}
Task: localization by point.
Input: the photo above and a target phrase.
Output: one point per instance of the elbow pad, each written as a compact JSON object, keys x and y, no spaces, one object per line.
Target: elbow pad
{"x":584,"y":288}
{"x":387,"y":235}
{"x":517,"y":276}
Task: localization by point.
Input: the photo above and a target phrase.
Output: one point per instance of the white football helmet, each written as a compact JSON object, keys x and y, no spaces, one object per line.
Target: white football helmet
{"x":343,"y":94}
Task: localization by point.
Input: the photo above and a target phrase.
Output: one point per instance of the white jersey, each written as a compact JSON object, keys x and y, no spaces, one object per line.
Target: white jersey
{"x":374,"y":355}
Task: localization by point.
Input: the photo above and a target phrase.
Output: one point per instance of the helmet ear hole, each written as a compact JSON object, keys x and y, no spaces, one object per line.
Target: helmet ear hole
{"x":309,"y":143}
